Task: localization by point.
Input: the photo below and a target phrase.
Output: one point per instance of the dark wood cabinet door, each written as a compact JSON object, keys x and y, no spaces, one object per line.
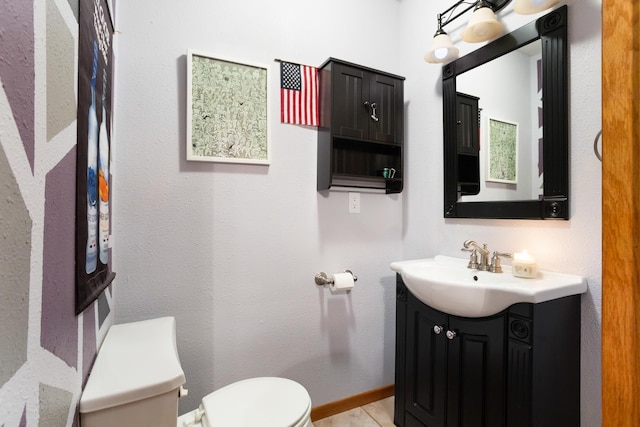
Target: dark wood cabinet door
{"x":468,"y":126}
{"x":468,"y":144}
{"x":385,"y":109}
{"x":366,"y":105}
{"x":350,"y":90}
{"x":476,"y":372}
{"x":426,"y":364}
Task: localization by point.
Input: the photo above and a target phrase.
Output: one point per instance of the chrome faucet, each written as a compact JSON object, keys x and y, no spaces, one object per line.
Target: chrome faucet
{"x":483,"y":265}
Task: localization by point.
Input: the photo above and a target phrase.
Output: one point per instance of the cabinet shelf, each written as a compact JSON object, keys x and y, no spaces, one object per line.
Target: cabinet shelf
{"x":365,"y":181}
{"x":364,"y":158}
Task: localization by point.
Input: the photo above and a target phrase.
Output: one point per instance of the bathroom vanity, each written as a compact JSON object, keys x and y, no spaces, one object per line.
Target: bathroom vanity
{"x":518,"y":367}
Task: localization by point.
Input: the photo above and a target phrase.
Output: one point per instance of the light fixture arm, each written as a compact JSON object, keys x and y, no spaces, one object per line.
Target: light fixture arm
{"x":495,"y":5}
{"x":452,"y":9}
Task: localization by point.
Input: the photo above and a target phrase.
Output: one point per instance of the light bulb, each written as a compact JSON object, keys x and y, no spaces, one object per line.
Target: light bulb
{"x":441,"y":53}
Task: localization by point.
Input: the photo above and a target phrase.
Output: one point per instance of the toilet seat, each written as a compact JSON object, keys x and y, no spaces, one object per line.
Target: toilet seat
{"x":263,"y":401}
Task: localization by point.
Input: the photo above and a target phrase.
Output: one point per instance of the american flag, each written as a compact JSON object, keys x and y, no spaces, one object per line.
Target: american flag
{"x":298,"y":94}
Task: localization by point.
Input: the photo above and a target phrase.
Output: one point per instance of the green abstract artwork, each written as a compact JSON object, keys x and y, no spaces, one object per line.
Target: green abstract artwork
{"x":502,"y":158}
{"x":227,"y":111}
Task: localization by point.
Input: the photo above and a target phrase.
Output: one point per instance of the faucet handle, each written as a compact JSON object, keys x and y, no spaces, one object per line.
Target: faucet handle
{"x":473,"y":258}
{"x":496,"y":266}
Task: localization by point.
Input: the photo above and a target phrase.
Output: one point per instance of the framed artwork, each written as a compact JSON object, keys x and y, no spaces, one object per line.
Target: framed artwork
{"x":93,"y":153}
{"x":227,"y":110}
{"x":502,"y":151}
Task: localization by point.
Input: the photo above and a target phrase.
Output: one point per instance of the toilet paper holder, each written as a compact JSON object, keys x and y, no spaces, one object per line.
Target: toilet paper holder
{"x":322,"y":278}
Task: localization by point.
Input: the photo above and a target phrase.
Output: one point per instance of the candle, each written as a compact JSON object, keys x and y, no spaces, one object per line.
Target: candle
{"x":524,"y":265}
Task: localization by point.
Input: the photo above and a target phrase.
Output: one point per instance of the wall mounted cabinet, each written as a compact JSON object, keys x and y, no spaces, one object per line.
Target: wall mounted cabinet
{"x":361,"y":127}
{"x":520,"y":367}
{"x":468,"y":144}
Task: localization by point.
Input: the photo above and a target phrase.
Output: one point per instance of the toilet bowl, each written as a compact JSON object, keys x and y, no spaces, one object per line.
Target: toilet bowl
{"x":137,"y":380}
{"x":264,"y":402}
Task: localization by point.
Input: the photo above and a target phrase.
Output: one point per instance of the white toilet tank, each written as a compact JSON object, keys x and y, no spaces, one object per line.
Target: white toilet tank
{"x":136,"y":378}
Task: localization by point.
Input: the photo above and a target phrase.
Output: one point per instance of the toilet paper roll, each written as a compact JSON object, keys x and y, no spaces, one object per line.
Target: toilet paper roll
{"x":342,"y":282}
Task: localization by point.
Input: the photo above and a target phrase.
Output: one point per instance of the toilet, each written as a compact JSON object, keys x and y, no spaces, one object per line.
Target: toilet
{"x":137,"y":380}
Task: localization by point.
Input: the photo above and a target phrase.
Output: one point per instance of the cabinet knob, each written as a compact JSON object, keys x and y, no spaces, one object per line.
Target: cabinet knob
{"x":437,"y":329}
{"x":451,"y":334}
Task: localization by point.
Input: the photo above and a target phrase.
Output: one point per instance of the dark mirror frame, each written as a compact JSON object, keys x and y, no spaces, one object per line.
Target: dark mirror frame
{"x":551,"y":29}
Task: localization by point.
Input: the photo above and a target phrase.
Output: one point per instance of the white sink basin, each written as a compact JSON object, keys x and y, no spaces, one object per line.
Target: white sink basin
{"x":446,"y":284}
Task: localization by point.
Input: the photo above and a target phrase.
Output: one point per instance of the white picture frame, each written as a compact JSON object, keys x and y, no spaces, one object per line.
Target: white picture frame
{"x":227,"y":110}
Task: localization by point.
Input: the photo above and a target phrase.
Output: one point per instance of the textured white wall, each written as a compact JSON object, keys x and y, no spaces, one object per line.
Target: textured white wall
{"x":232,"y":250}
{"x":566,"y":246}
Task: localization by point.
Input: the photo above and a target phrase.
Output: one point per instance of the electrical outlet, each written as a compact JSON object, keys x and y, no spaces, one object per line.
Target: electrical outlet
{"x":354,"y":203}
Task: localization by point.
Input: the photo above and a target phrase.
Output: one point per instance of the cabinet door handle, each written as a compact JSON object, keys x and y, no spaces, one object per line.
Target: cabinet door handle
{"x":451,"y":334}
{"x":372,"y":106}
{"x":437,"y":329}
{"x":373,"y":114}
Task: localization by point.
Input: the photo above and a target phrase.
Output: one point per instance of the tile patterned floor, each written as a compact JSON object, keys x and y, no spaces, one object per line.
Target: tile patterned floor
{"x":376,"y":414}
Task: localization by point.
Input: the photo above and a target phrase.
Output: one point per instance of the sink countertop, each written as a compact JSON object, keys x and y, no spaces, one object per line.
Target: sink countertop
{"x":445,"y":283}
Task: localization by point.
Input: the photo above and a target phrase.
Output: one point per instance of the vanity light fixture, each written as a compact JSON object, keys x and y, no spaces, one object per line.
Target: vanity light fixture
{"x":527,"y":7}
{"x":483,"y":24}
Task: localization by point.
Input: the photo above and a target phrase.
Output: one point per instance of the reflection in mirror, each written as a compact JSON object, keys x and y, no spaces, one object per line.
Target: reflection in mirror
{"x":515,"y":167}
{"x":512,"y":102}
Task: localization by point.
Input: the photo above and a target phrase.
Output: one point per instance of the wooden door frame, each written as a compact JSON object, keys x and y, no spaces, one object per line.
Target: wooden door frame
{"x":620,"y":213}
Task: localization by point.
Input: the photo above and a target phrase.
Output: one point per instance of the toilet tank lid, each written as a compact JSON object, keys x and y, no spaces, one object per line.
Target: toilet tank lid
{"x":136,"y":361}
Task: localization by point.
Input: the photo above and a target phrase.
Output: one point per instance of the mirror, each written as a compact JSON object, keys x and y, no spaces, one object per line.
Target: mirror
{"x":509,"y":133}
{"x":506,"y":126}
